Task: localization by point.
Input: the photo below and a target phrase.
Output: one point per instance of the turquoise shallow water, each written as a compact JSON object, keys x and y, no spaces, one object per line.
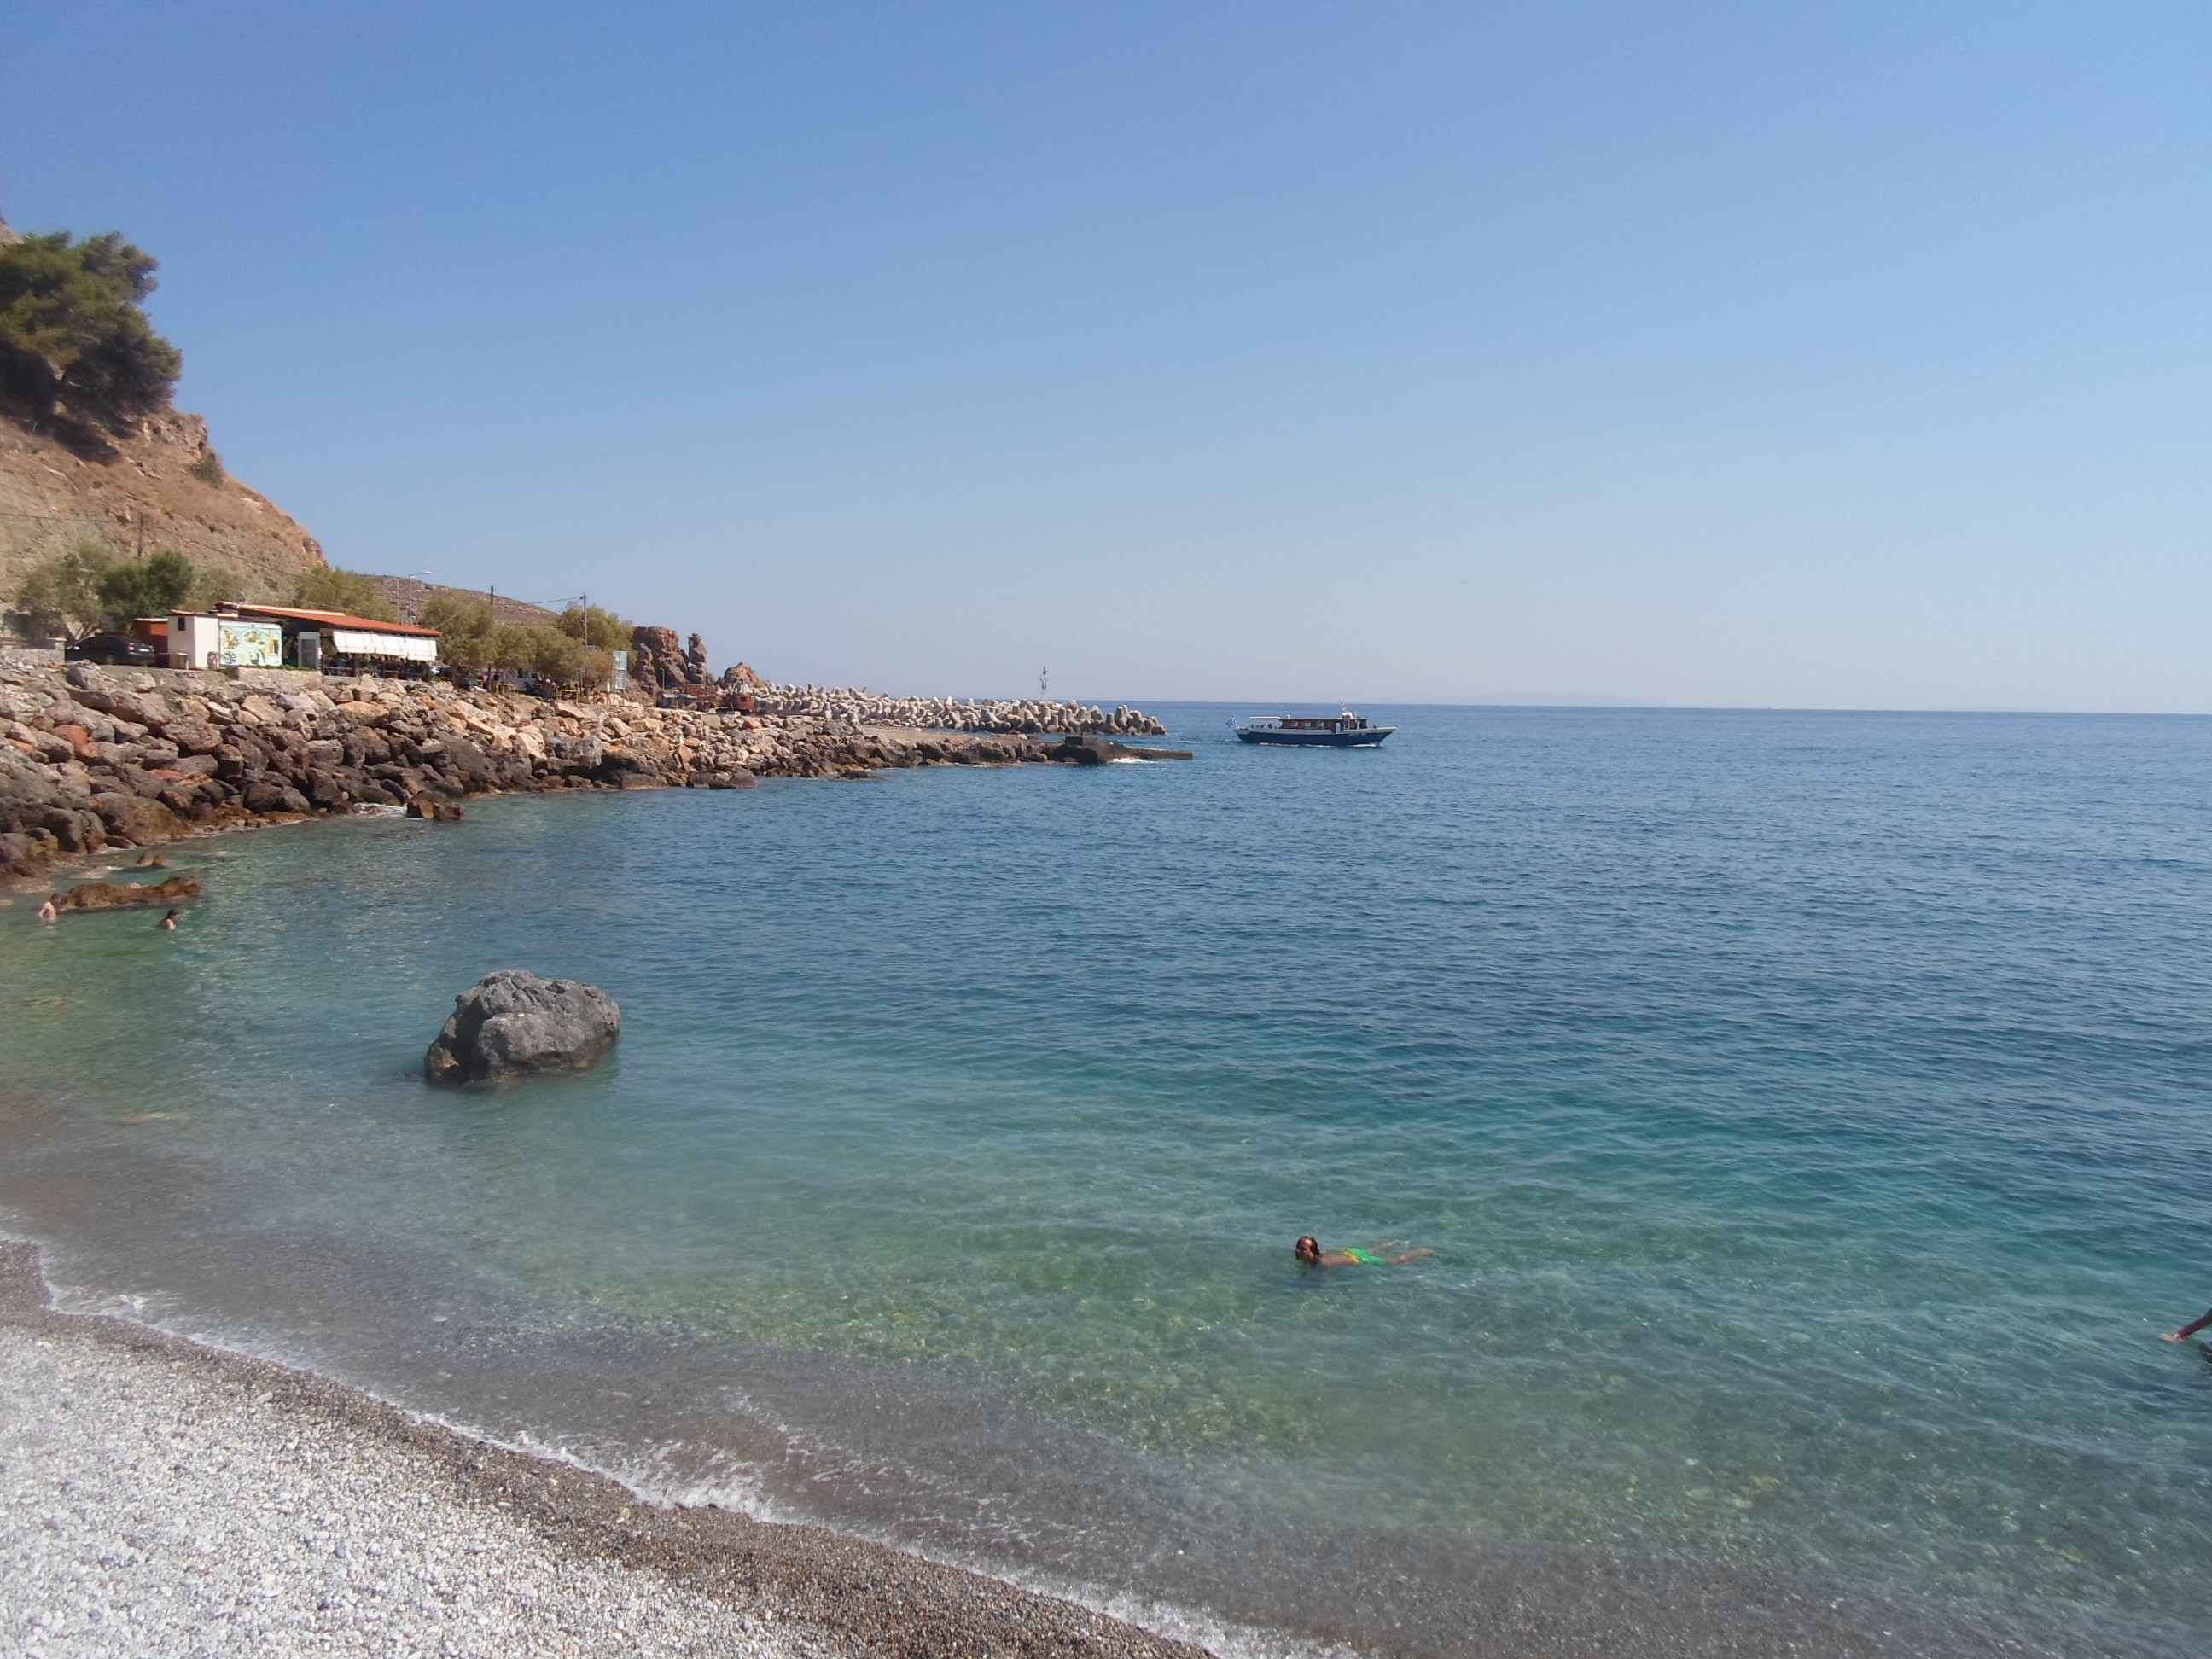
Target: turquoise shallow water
{"x":1807,"y":1112}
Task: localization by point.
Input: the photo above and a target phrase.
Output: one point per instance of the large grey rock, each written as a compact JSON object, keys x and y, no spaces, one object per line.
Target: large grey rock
{"x":513,"y":1022}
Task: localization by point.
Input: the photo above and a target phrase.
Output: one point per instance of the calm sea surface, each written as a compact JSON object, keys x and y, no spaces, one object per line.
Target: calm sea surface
{"x":1808,"y":1114}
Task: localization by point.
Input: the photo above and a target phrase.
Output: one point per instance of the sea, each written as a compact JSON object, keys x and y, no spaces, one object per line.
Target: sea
{"x":1809,"y":1117}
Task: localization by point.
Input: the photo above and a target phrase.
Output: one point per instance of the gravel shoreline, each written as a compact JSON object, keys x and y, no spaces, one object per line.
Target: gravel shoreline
{"x":158,"y":1496}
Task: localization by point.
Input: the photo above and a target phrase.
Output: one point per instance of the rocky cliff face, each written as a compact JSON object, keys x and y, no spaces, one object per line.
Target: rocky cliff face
{"x":144,"y":496}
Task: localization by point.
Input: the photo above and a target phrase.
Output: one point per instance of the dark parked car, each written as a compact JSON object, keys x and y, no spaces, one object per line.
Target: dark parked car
{"x":113,"y":649}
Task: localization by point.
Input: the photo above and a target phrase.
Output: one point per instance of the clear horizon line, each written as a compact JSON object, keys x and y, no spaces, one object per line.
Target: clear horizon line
{"x":1618,"y":705}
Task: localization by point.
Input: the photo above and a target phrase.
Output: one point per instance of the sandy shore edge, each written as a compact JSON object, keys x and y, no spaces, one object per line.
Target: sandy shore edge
{"x":735,"y":1585}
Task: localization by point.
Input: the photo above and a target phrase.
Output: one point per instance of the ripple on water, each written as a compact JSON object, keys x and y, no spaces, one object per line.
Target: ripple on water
{"x":1805,"y":1113}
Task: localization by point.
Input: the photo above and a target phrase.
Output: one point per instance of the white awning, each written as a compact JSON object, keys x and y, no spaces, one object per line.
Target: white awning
{"x":411,"y":647}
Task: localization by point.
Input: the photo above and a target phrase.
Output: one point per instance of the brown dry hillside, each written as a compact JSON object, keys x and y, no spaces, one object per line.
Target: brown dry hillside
{"x":144,"y":497}
{"x":408,"y":596}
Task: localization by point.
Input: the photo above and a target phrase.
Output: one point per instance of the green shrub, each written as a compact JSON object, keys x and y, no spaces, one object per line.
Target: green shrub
{"x":544,"y":650}
{"x":465,"y":630}
{"x":213,"y":585}
{"x":602,"y":630}
{"x":87,"y":587}
{"x":61,"y":595}
{"x":147,"y":587}
{"x":348,"y":590}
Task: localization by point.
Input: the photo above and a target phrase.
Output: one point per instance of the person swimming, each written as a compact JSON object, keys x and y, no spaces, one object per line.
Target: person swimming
{"x":1309,"y":1253}
{"x":169,"y":922}
{"x":2187,"y":1331}
{"x":48,"y":913}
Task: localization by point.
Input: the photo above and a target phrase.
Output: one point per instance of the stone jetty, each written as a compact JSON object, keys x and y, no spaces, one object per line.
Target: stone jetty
{"x":661,"y":668}
{"x":92,"y":757}
{"x":944,"y":713}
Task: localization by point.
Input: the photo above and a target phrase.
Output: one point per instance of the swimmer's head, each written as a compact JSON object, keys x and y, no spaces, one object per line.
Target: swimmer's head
{"x":1309,"y":1250}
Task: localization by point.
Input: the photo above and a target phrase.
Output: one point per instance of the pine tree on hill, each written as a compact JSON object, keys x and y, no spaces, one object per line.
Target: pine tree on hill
{"x":77,"y":357}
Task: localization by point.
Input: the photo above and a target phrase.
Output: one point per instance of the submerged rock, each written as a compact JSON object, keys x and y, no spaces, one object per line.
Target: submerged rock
{"x":1088,"y":748}
{"x":513,"y":1022}
{"x":122,"y":895}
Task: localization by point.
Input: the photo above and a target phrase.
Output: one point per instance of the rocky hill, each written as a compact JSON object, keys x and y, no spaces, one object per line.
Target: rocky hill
{"x":145,"y":495}
{"x":408,"y":596}
{"x":145,"y":484}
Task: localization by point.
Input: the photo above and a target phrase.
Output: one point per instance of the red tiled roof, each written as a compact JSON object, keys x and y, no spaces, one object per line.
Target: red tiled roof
{"x":335,"y":619}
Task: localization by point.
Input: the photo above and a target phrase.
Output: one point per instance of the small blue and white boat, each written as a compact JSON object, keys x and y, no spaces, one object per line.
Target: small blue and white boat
{"x":1344,"y":731}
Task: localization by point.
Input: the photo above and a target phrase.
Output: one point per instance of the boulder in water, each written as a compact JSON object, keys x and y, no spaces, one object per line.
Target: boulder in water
{"x":513,"y":1022}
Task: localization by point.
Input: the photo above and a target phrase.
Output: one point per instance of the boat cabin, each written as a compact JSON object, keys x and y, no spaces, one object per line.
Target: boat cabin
{"x":1318,"y":723}
{"x":1340,"y":731}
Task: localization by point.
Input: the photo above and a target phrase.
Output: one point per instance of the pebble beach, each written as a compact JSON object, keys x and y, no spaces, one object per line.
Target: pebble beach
{"x":160,"y":1498}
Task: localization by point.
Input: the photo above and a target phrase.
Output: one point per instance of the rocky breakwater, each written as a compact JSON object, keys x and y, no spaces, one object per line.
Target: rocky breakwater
{"x":1010,"y":716}
{"x":93,"y":757}
{"x":662,"y":670}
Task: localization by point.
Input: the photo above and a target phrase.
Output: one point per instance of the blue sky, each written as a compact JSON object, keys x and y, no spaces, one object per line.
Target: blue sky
{"x":1776,"y":354}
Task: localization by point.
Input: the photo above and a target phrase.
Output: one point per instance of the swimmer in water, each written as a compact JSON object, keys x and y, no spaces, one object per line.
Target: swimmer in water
{"x":47,"y":913}
{"x":1310,"y":1253}
{"x":169,"y":922}
{"x":2187,"y":1331}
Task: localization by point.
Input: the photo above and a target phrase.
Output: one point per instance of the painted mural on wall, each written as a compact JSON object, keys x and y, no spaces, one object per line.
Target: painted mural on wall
{"x":249,"y":644}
